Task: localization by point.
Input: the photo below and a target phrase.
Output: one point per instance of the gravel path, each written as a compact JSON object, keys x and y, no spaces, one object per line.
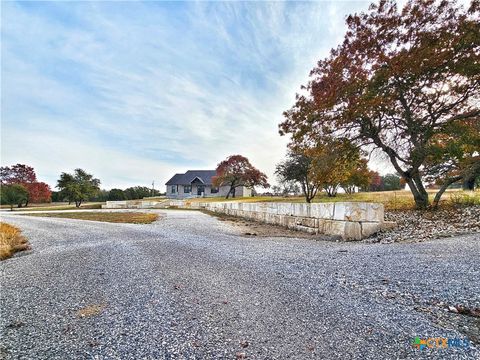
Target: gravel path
{"x":189,"y":287}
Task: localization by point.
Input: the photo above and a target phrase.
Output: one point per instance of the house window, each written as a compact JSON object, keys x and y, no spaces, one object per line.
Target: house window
{"x":173,"y":189}
{"x":187,"y":189}
{"x":214,"y":190}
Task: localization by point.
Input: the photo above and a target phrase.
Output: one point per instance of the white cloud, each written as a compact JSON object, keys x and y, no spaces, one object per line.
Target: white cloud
{"x":136,"y":93}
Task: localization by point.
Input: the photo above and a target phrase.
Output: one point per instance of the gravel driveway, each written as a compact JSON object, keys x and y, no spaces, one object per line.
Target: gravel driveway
{"x":189,"y":287}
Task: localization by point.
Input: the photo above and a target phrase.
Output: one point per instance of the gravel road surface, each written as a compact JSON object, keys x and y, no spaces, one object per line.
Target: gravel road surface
{"x":190,"y":287}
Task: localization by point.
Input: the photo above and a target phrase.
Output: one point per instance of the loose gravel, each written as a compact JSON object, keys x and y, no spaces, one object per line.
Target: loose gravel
{"x":190,"y":287}
{"x":416,"y":226}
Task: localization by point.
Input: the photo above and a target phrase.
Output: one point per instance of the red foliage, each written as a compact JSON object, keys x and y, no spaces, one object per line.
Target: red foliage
{"x":236,"y":171}
{"x":376,"y":182}
{"x":39,"y":192}
{"x":17,"y":174}
{"x":25,"y":175}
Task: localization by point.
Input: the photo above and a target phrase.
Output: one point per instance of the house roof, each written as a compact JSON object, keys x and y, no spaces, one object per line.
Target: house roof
{"x":204,"y":176}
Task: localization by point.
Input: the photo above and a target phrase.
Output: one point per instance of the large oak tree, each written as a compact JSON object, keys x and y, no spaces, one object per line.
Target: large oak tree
{"x":397,"y":81}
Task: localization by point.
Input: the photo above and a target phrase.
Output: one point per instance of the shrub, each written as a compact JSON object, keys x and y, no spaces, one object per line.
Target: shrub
{"x":465,"y":199}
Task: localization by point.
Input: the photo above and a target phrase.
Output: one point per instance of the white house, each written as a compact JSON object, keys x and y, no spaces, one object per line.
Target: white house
{"x":198,"y":183}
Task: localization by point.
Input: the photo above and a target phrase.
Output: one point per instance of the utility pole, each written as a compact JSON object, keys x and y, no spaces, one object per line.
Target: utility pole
{"x":153,"y":188}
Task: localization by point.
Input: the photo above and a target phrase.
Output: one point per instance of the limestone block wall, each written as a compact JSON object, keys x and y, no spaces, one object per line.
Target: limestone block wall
{"x":348,"y":220}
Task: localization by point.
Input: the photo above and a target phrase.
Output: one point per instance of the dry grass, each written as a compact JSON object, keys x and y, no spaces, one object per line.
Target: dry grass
{"x":113,"y":217}
{"x":11,"y":241}
{"x":393,"y":200}
{"x":58,"y":206}
{"x":90,"y":310}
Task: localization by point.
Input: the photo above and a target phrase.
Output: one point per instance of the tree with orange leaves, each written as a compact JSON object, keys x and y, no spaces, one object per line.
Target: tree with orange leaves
{"x":398,"y":80}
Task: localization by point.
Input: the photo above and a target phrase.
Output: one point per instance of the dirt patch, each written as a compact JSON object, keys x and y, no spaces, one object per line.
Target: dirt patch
{"x":467,"y":325}
{"x":90,"y":310}
{"x":257,"y":229}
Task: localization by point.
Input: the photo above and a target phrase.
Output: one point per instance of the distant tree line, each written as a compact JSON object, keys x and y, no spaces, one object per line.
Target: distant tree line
{"x":387,"y":182}
{"x":102,"y":195}
{"x":19,"y":187}
{"x":131,"y":193}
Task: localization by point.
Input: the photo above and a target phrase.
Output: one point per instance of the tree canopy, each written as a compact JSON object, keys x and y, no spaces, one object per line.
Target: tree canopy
{"x":25,"y":175}
{"x":235,"y":171}
{"x":330,"y":164}
{"x":298,"y":167}
{"x":398,"y":81}
{"x":116,"y":194}
{"x":14,"y":194}
{"x":140,"y":192}
{"x":77,"y":187}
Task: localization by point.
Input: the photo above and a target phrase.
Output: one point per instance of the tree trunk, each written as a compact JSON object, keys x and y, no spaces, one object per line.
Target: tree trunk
{"x":469,"y":183}
{"x":420,"y":195}
{"x":306,"y":193}
{"x":231,"y":191}
{"x":331,"y":191}
{"x":78,"y":203}
{"x":308,"y":199}
{"x":444,"y":187}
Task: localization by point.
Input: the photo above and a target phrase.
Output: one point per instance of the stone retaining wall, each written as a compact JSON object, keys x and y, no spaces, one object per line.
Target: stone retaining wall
{"x":348,"y":220}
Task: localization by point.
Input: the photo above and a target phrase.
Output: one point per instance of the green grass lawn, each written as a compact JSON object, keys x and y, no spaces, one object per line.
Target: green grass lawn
{"x":393,"y":200}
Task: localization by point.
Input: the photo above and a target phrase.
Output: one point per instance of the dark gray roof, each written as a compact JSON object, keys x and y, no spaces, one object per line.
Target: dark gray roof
{"x":186,"y":179}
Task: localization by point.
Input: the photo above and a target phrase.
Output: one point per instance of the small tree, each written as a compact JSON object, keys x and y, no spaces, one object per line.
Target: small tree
{"x":333,"y":160}
{"x":39,"y":192}
{"x":454,"y":156}
{"x":391,"y":182}
{"x":100,"y":195}
{"x":375,"y":182}
{"x":277,"y":190}
{"x":14,"y":195}
{"x":298,"y":168}
{"x":237,"y":171}
{"x":78,"y":187}
{"x":358,"y":175}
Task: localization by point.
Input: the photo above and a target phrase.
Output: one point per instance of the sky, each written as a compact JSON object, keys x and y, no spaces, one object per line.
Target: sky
{"x":137,"y":91}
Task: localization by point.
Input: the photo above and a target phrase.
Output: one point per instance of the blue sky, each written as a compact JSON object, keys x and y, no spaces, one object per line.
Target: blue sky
{"x":136,"y":91}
